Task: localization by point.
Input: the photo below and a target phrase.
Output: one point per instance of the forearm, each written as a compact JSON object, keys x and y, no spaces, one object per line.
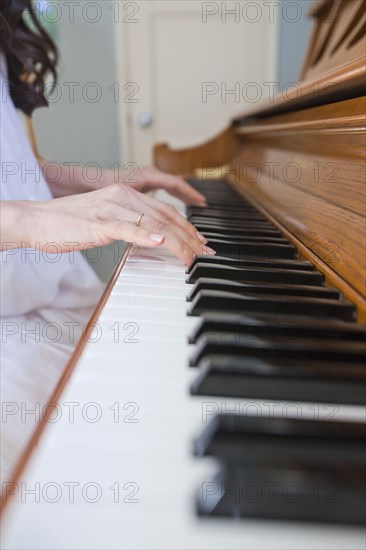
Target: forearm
{"x":73,"y":178}
{"x":15,"y":219}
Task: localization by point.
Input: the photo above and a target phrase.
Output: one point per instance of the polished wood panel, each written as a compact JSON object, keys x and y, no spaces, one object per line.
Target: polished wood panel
{"x":331,"y":277}
{"x":335,"y":234}
{"x":303,"y":126}
{"x":339,"y":181}
{"x":185,"y":161}
{"x":337,"y":37}
{"x":325,"y":221}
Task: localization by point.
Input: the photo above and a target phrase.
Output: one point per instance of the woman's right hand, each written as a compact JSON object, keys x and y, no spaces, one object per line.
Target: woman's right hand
{"x":100,"y":217}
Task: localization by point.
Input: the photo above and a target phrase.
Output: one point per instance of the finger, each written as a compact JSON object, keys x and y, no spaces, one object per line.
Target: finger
{"x":182,"y":238}
{"x":178,"y":187}
{"x":180,"y":225}
{"x":129,"y":232}
{"x":181,"y":245}
{"x":168,"y":213}
{"x":175,"y":238}
{"x":125,"y":198}
{"x":155,"y":232}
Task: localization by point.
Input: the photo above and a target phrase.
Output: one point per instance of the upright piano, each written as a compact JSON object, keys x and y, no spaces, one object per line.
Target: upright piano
{"x":223,"y":406}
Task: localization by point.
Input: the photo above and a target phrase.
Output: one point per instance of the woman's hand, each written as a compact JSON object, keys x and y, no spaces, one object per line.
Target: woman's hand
{"x":65,"y":180}
{"x":100,"y":217}
{"x":150,"y":178}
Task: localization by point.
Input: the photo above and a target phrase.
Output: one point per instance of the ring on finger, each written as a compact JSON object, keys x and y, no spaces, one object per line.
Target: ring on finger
{"x":138,"y":221}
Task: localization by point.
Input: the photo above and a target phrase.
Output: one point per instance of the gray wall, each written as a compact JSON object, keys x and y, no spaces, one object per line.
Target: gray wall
{"x":75,"y":128}
{"x":293,"y":38}
{"x":83,"y":130}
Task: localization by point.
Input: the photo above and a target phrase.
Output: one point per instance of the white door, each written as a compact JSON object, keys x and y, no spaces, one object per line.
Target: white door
{"x":187,"y":67}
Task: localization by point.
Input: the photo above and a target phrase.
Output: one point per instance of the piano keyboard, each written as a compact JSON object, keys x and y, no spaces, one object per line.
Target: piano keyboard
{"x":222,"y":407}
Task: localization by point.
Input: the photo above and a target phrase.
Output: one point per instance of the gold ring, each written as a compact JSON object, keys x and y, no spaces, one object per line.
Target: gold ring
{"x":138,"y":221}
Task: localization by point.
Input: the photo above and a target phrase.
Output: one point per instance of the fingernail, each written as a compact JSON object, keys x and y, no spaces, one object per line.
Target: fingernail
{"x":156,"y":238}
{"x":201,"y":237}
{"x":209,"y":250}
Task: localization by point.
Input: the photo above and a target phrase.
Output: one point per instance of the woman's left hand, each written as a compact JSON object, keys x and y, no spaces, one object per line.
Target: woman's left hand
{"x":65,"y":180}
{"x":150,"y":178}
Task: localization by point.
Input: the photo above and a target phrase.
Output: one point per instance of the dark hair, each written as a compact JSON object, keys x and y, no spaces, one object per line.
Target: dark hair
{"x":29,"y":51}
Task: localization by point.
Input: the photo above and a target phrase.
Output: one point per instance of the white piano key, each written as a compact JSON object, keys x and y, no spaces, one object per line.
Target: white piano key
{"x":161,"y":272}
{"x":168,"y":292}
{"x":154,"y":261}
{"x":148,"y":284}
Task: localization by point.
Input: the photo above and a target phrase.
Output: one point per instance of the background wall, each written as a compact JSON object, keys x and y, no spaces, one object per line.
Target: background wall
{"x":82,"y":113}
{"x":293,"y":38}
{"x":85,"y":130}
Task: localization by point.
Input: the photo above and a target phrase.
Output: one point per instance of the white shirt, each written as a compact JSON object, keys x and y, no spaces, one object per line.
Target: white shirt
{"x":30,"y":279}
{"x":37,"y":294}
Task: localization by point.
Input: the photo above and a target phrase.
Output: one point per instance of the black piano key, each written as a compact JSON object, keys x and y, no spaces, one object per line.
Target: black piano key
{"x":214,"y":186}
{"x":215,"y":202}
{"x":285,"y":347}
{"x":242,"y":238}
{"x":236,"y":224}
{"x":253,"y":275}
{"x":250,"y":248}
{"x":221,"y":204}
{"x":219,"y":198}
{"x":281,"y":379}
{"x":264,"y":288}
{"x":334,"y":495}
{"x":239,"y":215}
{"x":229,"y":216}
{"x":210,"y":230}
{"x":211,"y":300}
{"x":281,"y":348}
{"x":231,"y":212}
{"x":280,"y":442}
{"x":257,"y":236}
{"x":208,"y":183}
{"x":250,"y":263}
{"x":243,"y":327}
{"x":222,"y":198}
{"x":210,"y":210}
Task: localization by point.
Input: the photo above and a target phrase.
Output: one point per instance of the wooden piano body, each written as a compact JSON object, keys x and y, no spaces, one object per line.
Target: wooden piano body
{"x":301,"y":158}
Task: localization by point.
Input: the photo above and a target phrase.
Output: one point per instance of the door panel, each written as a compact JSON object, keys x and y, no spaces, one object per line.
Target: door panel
{"x":192,"y":66}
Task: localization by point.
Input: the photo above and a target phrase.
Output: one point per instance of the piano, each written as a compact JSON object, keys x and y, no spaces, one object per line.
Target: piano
{"x":224,"y":406}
